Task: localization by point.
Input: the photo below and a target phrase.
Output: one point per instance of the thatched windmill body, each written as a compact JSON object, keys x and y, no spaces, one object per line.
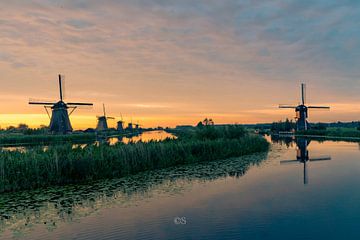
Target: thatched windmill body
{"x":302,"y":110}
{"x":102,"y":124}
{"x":59,"y":119}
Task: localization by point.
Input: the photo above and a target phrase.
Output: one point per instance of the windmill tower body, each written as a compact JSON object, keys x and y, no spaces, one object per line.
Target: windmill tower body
{"x":102,"y":124}
{"x":302,"y":111}
{"x":130,"y":126}
{"x":301,"y":118}
{"x":59,"y":120}
{"x":120,"y":126}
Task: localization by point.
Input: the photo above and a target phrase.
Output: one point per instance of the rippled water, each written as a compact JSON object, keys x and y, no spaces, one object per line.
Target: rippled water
{"x":255,"y":197}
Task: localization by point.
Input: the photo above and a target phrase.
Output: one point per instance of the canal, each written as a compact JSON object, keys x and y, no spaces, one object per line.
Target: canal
{"x":301,"y":189}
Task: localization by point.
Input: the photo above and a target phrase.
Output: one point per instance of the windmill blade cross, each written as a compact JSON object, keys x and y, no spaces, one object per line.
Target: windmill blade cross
{"x":319,"y":107}
{"x":41,"y":103}
{"x":80,"y":104}
{"x":104,"y":110}
{"x":303,"y":93}
{"x":286,"y":106}
{"x":320,"y":159}
{"x":61,"y":86}
{"x":288,"y":161}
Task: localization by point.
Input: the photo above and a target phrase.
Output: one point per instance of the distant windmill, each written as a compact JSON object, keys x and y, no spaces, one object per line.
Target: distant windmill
{"x":102,"y":121}
{"x":137,"y":126}
{"x":130,"y":126}
{"x":59,"y":120}
{"x":302,"y":156}
{"x":120,"y":124}
{"x":302,"y":111}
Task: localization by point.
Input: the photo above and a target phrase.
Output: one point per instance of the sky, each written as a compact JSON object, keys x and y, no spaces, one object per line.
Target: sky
{"x":172,"y":62}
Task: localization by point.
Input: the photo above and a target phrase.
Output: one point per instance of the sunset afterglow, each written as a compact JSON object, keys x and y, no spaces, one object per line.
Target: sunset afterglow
{"x":167,"y":63}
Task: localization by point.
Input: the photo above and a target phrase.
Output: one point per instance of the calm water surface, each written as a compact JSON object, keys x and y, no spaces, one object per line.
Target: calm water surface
{"x":300,"y":190}
{"x":156,"y":135}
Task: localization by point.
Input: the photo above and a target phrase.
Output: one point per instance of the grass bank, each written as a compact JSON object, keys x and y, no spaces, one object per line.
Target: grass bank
{"x":62,"y":164}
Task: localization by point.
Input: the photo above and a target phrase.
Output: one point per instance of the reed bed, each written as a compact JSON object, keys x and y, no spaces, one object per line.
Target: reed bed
{"x":63,"y":164}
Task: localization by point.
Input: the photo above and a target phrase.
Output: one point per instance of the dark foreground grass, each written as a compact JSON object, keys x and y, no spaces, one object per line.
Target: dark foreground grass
{"x":62,"y":164}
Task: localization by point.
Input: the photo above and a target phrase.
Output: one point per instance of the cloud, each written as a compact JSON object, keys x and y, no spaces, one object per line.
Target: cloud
{"x":78,"y":23}
{"x":220,"y":56}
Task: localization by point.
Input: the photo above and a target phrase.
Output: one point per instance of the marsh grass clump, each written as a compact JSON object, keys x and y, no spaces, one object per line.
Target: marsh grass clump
{"x":63,"y":164}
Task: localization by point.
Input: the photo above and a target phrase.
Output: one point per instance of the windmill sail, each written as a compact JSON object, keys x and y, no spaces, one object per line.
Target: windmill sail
{"x":319,"y":107}
{"x":301,"y":110}
{"x":59,"y":120}
{"x":286,"y":106}
{"x":303,"y":93}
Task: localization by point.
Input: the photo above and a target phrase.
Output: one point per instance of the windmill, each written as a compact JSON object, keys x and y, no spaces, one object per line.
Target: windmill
{"x":302,"y":156}
{"x":137,"y":126}
{"x":302,"y":111}
{"x":102,"y":121}
{"x":59,"y":119}
{"x":120,"y":124}
{"x":130,"y":126}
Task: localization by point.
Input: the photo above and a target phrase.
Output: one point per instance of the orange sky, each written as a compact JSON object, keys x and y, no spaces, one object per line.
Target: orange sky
{"x":177,"y":62}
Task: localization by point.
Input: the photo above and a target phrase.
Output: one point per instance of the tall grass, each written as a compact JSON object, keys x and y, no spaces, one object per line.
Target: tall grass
{"x":62,"y":164}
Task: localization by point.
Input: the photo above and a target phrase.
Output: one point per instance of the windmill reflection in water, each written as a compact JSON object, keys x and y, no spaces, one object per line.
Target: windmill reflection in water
{"x":302,"y":156}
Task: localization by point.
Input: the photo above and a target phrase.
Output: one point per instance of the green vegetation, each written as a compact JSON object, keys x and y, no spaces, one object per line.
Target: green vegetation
{"x":326,"y":130}
{"x":211,"y":132}
{"x":13,"y":139}
{"x":332,"y":132}
{"x":62,"y":164}
{"x":286,"y":126}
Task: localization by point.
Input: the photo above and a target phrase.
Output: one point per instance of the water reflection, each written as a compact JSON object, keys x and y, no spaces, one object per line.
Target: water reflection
{"x":144,"y":137}
{"x":302,"y":156}
{"x":20,"y":212}
{"x":159,"y":135}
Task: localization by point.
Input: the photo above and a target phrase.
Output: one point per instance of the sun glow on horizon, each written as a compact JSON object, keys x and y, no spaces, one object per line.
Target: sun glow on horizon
{"x":80,"y":121}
